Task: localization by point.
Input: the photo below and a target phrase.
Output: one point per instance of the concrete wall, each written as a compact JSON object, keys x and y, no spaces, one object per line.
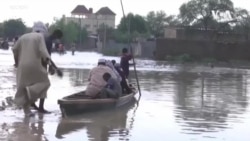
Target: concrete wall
{"x":198,"y":34}
{"x":202,"y":49}
{"x":144,"y":49}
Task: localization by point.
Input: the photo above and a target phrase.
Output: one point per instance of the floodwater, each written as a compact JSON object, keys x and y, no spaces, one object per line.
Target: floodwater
{"x":179,"y":103}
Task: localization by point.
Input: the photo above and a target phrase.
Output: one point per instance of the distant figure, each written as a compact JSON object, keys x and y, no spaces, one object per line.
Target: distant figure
{"x":73,"y":48}
{"x":95,"y":78}
{"x":61,"y":49}
{"x":5,"y":44}
{"x":125,"y":58}
{"x":15,"y":40}
{"x":32,"y":78}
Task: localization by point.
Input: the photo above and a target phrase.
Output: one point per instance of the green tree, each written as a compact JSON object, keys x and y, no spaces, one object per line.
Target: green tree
{"x":136,"y":23}
{"x":243,"y":22}
{"x":1,"y":29}
{"x":109,"y":32}
{"x":205,"y":12}
{"x":137,"y":26}
{"x":71,"y":31}
{"x":157,"y":22}
{"x":13,"y":27}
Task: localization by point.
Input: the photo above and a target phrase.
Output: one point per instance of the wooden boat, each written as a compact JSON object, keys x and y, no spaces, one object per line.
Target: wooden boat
{"x":116,"y":119}
{"x":80,"y":103}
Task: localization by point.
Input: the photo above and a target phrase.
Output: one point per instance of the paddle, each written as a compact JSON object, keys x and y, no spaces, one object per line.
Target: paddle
{"x":131,"y":50}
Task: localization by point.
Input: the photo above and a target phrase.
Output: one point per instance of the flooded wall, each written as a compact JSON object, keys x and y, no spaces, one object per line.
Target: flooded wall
{"x":202,"y":49}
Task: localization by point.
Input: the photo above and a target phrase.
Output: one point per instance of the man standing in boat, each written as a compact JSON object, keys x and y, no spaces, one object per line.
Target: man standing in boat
{"x":124,"y":84}
{"x":125,"y":58}
{"x":95,"y":78}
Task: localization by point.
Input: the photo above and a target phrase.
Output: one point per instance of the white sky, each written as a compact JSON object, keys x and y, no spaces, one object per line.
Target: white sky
{"x":46,"y":10}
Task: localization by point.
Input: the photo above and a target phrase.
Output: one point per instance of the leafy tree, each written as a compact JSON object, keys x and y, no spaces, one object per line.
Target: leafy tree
{"x":243,"y":21}
{"x":136,"y":22}
{"x":137,"y":26}
{"x":13,"y":27}
{"x":71,"y":31}
{"x":109,"y":32}
{"x":203,"y":11}
{"x":157,"y":21}
{"x":1,"y":29}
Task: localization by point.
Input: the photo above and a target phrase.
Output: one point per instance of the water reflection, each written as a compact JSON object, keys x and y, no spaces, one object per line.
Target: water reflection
{"x":224,"y":95}
{"x":78,"y":77}
{"x":203,"y":102}
{"x":173,"y":104}
{"x":100,"y":126}
{"x":30,"y":129}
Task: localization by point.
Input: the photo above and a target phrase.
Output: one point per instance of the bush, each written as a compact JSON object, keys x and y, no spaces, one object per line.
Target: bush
{"x":184,"y":58}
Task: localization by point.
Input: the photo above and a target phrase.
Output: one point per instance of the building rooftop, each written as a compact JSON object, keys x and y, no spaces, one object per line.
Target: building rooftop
{"x":80,"y":10}
{"x":105,"y":11}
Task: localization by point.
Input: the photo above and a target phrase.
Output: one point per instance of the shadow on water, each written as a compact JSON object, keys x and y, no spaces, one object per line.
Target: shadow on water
{"x":100,"y":125}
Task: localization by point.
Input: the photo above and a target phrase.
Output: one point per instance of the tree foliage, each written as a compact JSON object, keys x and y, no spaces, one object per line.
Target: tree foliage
{"x":1,"y":30}
{"x":157,"y":21}
{"x":136,"y":23}
{"x":137,"y":26}
{"x":71,"y":31}
{"x":108,"y":30}
{"x":205,"y":12}
{"x":13,"y":27}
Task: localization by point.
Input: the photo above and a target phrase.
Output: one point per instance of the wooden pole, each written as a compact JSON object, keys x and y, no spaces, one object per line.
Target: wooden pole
{"x":131,"y":50}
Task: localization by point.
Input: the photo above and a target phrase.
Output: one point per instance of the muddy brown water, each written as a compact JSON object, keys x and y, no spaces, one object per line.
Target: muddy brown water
{"x":180,"y":104}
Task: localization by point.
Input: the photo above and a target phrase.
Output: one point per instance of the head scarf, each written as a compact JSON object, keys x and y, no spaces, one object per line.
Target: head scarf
{"x":40,"y":27}
{"x":110,"y":64}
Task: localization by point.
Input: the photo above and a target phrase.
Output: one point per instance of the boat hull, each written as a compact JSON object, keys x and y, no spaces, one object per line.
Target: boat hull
{"x":75,"y":104}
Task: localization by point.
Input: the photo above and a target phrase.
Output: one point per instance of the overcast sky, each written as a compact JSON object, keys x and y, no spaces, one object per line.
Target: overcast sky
{"x":33,"y":10}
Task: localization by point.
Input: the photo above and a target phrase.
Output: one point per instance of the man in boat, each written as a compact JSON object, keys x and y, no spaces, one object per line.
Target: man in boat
{"x":111,"y":65}
{"x":95,"y":78}
{"x":124,"y":84}
{"x":31,"y":76}
{"x":56,"y":35}
{"x":125,"y":58}
{"x":112,"y":89}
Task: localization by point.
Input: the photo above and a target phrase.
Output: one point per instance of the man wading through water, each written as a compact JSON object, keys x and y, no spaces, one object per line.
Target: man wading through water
{"x":31,"y":76}
{"x":57,"y":34}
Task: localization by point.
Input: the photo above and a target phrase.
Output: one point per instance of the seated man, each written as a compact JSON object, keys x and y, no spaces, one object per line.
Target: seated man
{"x":112,"y":89}
{"x":111,"y":65}
{"x":96,"y":81}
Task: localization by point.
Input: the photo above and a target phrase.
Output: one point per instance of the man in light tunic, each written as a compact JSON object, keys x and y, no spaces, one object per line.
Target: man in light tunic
{"x":95,"y":78}
{"x":31,"y":77}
